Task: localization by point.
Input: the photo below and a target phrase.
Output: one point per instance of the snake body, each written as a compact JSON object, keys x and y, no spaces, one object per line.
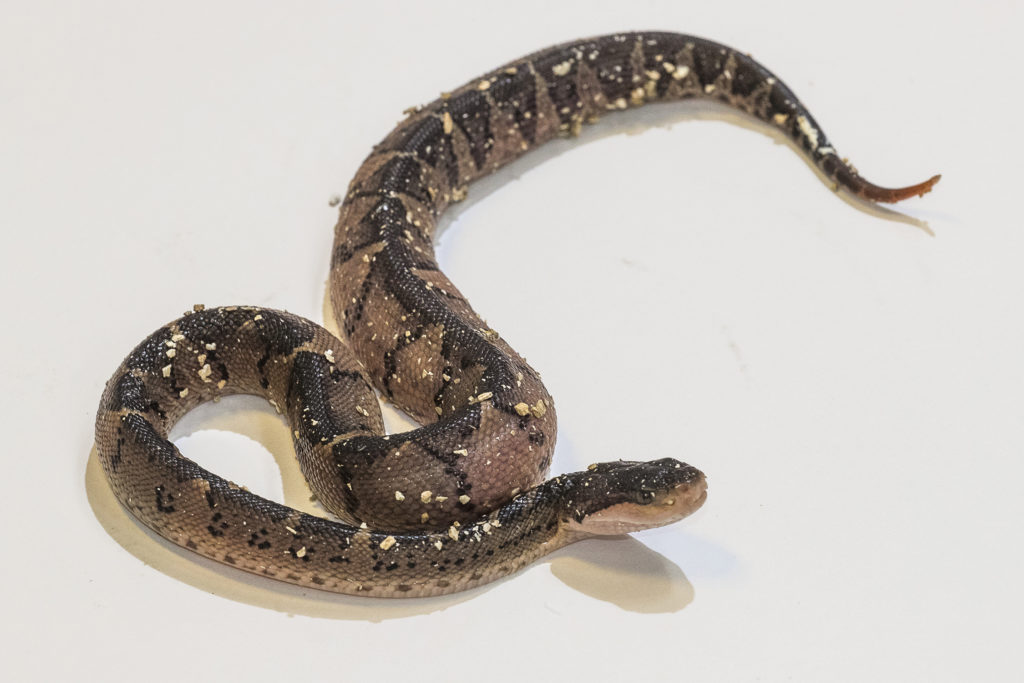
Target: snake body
{"x":463,"y":499}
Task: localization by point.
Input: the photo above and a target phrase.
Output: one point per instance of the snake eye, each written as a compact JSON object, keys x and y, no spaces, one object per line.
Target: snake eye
{"x":645,"y":496}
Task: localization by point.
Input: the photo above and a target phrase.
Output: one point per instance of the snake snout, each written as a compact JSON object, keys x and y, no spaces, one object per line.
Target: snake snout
{"x":691,"y":494}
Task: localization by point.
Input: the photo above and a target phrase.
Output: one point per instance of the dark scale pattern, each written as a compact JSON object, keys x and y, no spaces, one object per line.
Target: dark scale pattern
{"x":461,"y":500}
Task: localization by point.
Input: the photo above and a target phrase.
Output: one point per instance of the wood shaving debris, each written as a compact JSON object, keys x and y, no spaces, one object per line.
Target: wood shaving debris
{"x":809,"y":131}
{"x":539,"y":409}
{"x":562,"y":68}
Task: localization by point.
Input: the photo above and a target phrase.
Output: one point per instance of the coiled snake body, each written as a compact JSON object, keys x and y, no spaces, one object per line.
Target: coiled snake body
{"x":462,"y":500}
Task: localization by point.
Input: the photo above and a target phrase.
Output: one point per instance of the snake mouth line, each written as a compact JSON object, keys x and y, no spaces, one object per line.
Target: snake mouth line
{"x":630,"y":517}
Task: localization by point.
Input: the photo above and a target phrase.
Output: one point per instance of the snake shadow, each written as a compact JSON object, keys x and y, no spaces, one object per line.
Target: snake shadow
{"x":619,"y":570}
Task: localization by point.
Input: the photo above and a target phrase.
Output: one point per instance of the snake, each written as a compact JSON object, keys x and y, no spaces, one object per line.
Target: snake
{"x":463,"y":499}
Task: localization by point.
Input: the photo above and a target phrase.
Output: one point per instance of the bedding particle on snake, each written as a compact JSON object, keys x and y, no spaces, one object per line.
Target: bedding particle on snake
{"x":464,"y":499}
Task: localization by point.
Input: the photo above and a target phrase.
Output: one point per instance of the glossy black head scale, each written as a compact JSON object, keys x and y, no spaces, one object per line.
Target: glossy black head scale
{"x":621,"y":497}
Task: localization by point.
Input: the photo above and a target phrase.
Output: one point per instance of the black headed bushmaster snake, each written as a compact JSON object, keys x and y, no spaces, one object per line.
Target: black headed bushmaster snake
{"x":462,"y":500}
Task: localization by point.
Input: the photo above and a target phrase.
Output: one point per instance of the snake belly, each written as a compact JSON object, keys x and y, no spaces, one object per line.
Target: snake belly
{"x":464,"y":499}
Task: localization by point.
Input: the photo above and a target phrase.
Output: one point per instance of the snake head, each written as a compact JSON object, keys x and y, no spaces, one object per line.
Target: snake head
{"x":622,"y":497}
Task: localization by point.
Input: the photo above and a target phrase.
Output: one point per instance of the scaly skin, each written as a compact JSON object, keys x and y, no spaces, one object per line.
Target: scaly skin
{"x":462,"y":500}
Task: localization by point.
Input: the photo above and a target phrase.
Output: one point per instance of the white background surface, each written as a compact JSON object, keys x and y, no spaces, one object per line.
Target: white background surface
{"x":849,"y":378}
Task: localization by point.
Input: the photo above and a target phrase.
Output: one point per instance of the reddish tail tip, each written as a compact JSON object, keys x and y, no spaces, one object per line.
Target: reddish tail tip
{"x":874,"y":193}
